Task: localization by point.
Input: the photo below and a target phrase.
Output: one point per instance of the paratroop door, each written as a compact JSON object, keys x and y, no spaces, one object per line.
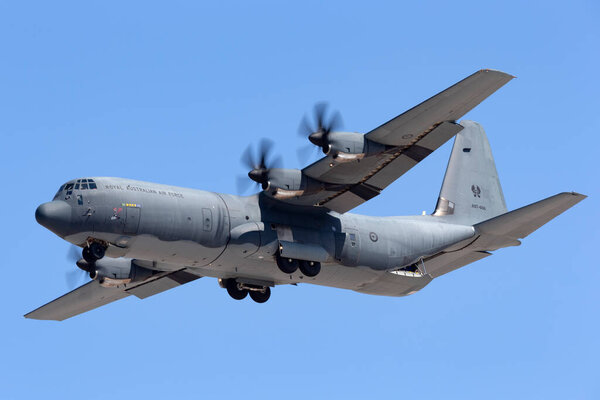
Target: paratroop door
{"x":132,"y":220}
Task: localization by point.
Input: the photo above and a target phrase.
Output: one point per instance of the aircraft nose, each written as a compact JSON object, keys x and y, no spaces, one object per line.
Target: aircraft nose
{"x":54,"y":215}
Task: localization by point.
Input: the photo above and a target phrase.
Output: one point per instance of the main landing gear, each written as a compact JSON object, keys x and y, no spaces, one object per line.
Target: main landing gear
{"x":239,"y":291}
{"x":290,"y":265}
{"x":93,"y":252}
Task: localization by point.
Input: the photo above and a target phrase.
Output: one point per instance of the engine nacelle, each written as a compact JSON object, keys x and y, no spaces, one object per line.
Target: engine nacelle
{"x":350,"y":146}
{"x":112,"y":272}
{"x":287,"y":179}
{"x":345,"y":142}
{"x":288,"y":183}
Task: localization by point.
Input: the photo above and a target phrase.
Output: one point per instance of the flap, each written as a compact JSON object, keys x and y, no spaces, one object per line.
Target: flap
{"x":167,"y":282}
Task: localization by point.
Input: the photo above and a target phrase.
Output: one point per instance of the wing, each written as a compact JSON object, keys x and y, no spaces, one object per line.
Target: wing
{"x":403,"y":142}
{"x":93,"y":295}
{"x":502,"y":231}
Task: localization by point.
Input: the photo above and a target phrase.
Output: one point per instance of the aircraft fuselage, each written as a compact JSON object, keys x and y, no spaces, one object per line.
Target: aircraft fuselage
{"x":228,"y":236}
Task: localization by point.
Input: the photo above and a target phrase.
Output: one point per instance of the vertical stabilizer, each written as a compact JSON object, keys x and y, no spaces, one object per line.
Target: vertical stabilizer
{"x":471,"y":190}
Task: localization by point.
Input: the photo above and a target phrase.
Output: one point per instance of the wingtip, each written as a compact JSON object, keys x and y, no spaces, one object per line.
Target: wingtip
{"x":498,"y":72}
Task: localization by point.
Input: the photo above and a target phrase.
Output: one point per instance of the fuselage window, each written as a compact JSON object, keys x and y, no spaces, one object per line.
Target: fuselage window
{"x":69,"y":186}
{"x":79,"y":199}
{"x":84,"y":186}
{"x":93,"y":185}
{"x":77,"y":186}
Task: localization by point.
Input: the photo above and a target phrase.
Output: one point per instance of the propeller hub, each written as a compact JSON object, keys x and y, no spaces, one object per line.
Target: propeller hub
{"x":316,"y":138}
{"x":258,"y":175}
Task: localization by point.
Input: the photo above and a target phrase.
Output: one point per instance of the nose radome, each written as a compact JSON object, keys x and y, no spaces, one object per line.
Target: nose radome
{"x":54,"y":215}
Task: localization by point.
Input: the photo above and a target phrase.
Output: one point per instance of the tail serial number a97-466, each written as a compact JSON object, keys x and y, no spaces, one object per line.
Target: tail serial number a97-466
{"x":140,"y":238}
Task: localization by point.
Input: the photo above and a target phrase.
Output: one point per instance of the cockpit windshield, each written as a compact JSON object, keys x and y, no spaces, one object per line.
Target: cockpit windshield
{"x":79,"y":184}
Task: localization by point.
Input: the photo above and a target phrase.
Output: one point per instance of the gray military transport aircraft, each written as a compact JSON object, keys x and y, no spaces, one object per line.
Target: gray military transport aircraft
{"x":141,"y":238}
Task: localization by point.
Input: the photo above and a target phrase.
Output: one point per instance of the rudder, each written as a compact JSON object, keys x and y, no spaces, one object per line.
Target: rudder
{"x":471,"y":190}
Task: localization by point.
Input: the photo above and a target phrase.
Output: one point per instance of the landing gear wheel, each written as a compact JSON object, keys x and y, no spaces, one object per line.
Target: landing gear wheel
{"x":310,"y":268}
{"x":286,"y":265}
{"x":234,"y":291}
{"x":261,"y":297}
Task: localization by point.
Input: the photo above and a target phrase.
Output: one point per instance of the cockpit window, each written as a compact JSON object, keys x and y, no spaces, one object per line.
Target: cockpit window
{"x":79,"y":184}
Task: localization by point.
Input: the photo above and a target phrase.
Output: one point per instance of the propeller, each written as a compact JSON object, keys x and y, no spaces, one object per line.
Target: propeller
{"x":76,"y":276}
{"x":318,"y":132}
{"x":259,"y":163}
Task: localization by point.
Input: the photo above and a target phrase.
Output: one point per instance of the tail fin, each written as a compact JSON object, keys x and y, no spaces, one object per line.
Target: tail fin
{"x":471,"y":191}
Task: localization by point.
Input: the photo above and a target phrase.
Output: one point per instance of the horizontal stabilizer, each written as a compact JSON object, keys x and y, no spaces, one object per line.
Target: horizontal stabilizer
{"x":505,"y":229}
{"x":502,"y":231}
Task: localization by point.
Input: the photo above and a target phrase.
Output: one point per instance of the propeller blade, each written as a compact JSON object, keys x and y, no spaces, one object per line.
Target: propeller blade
{"x":320,"y":109}
{"x":77,"y":276}
{"x":73,"y":254}
{"x":335,"y":122}
{"x":304,"y":153}
{"x":265,"y":148}
{"x":247,"y":158}
{"x":242,"y":184}
{"x":305,"y":128}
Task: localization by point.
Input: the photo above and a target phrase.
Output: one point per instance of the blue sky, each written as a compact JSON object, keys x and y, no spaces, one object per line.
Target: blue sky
{"x":174,"y":93}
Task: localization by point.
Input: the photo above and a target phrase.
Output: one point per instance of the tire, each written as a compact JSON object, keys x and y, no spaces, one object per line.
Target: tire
{"x":261,"y":297}
{"x":310,"y":268}
{"x":234,"y":291}
{"x":286,"y":265}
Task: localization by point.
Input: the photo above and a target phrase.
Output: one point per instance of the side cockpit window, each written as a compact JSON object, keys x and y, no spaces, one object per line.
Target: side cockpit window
{"x":69,"y":188}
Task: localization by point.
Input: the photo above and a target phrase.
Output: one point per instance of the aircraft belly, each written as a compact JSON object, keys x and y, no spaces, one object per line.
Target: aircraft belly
{"x":360,"y":279}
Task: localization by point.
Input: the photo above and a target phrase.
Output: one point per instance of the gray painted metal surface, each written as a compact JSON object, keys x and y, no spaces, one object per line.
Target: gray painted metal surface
{"x":157,"y":237}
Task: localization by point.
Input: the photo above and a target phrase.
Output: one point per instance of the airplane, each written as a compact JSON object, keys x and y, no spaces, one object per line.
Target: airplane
{"x":141,"y":238}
